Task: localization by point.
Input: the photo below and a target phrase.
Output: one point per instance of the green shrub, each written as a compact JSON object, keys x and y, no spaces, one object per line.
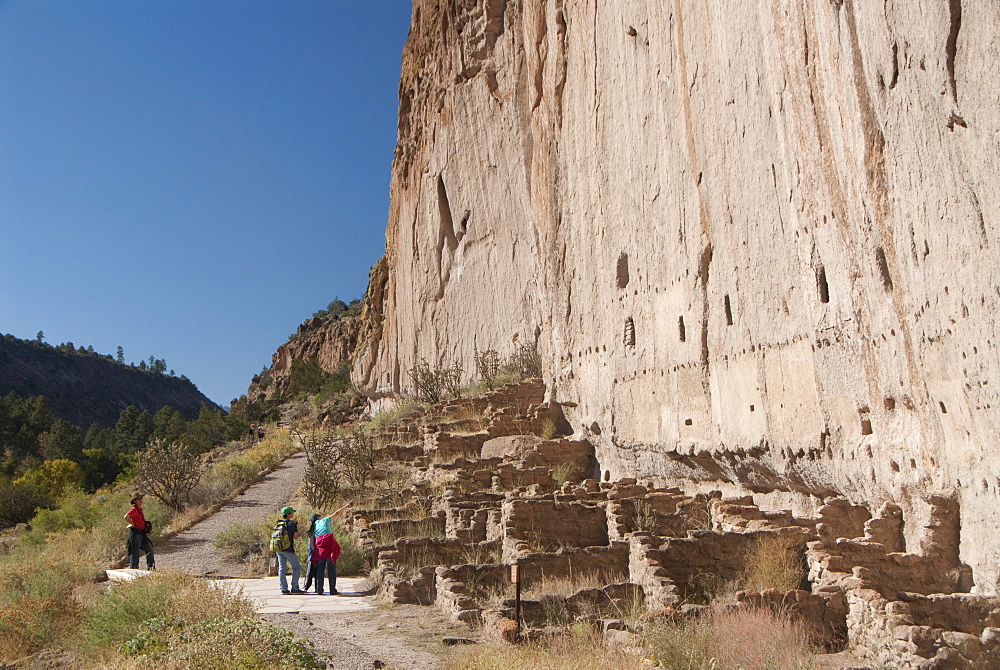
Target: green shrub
{"x":488,"y":365}
{"x":111,"y":619}
{"x":435,"y":384}
{"x":223,"y":643}
{"x":242,"y":540}
{"x":18,"y":502}
{"x":352,"y":555}
{"x":100,"y":515}
{"x":526,"y":361}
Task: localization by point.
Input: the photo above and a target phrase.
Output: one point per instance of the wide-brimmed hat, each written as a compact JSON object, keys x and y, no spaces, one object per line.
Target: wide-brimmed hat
{"x":137,"y":496}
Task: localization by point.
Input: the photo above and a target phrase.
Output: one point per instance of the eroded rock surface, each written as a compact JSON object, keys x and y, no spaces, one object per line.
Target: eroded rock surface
{"x":755,"y":242}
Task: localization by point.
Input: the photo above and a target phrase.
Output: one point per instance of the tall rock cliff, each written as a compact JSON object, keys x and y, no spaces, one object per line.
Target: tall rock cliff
{"x":756,"y":242}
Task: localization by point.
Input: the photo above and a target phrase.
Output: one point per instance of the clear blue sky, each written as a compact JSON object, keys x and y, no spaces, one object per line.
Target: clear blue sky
{"x":192,"y":180}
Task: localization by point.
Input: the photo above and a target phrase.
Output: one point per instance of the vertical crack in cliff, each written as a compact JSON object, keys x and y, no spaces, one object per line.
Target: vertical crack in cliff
{"x":875,"y":165}
{"x":704,"y":267}
{"x":597,"y":98}
{"x":951,"y":46}
{"x":705,"y":259}
{"x":446,"y":236}
{"x":541,"y":55}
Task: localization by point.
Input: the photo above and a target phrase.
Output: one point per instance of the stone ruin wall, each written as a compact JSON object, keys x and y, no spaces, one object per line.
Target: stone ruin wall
{"x":755,"y":242}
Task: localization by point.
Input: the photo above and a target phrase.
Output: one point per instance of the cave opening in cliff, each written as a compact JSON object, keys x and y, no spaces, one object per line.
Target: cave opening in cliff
{"x":622,"y":270}
{"x":822,"y":285}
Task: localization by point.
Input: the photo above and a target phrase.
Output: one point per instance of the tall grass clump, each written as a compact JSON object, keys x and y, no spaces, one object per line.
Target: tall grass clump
{"x":241,"y":541}
{"x":776,"y":561}
{"x":568,"y":585}
{"x":754,"y":639}
{"x":389,"y":533}
{"x":583,"y":650}
{"x":37,"y":584}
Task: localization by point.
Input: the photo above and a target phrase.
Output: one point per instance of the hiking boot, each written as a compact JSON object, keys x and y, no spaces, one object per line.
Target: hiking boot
{"x":285,"y":593}
{"x":319,"y":593}
{"x":297,"y":591}
{"x":335,"y":592}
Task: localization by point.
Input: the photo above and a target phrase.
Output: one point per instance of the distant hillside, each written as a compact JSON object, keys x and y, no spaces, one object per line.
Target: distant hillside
{"x":83,"y":387}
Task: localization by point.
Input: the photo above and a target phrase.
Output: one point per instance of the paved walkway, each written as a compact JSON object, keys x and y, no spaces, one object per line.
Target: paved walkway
{"x":266,"y":596}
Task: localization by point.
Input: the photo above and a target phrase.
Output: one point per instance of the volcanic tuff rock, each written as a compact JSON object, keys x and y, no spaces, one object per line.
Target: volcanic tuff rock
{"x":755,"y":242}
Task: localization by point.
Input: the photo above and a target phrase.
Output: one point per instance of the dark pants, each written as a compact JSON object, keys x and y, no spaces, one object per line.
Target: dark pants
{"x":136,"y":544}
{"x":330,"y":568}
{"x":310,"y":574}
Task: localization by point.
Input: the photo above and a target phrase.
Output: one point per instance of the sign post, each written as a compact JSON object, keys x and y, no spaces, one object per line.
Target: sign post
{"x":515,"y":578}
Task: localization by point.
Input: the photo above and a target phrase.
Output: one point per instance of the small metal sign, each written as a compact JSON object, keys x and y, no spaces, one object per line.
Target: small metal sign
{"x":515,"y":574}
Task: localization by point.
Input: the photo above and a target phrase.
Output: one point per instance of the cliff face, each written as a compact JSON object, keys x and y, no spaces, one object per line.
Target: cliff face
{"x":755,"y":242}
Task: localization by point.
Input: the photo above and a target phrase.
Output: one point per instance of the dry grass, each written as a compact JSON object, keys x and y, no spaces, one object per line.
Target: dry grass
{"x":428,"y":527}
{"x":581,"y":651}
{"x":732,"y":640}
{"x":412,"y":561}
{"x":775,"y":562}
{"x":389,"y":419}
{"x":472,"y":421}
{"x":567,"y":586}
{"x":561,"y":473}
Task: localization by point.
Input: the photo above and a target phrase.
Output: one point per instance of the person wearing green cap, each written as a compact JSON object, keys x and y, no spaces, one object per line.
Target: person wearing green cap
{"x":288,"y":555}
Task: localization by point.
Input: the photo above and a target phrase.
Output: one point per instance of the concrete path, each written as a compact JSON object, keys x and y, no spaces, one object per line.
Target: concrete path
{"x":265,"y":594}
{"x":267,"y":598}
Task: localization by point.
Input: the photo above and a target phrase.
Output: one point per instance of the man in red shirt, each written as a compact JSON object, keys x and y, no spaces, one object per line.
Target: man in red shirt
{"x":138,"y":535}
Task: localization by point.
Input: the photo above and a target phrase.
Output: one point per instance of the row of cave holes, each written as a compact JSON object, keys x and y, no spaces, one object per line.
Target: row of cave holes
{"x":866,"y":422}
{"x":629,"y":336}
{"x":822,"y":285}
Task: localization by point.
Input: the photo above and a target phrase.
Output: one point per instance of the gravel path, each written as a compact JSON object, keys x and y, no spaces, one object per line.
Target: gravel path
{"x":402,"y":637}
{"x":192,"y":550}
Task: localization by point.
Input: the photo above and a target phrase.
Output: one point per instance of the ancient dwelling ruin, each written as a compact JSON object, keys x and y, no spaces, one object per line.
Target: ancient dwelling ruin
{"x":484,"y":498}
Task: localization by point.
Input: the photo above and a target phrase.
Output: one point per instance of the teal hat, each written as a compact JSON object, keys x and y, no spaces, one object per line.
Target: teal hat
{"x":287,"y":510}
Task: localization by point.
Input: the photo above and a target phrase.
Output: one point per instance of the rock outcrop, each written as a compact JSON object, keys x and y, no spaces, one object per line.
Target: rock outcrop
{"x":754,"y":242}
{"x":330,"y":342}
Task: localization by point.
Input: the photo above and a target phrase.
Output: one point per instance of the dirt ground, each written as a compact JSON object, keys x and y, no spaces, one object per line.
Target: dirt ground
{"x":401,"y":637}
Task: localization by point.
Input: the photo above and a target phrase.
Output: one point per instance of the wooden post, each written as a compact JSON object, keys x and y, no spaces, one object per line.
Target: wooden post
{"x":515,"y":577}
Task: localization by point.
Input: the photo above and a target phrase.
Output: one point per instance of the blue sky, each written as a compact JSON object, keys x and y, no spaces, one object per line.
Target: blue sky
{"x":192,"y":180}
